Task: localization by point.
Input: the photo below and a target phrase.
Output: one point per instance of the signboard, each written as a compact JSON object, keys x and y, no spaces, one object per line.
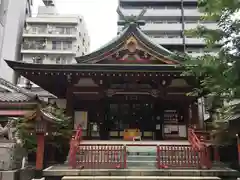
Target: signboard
{"x":81,"y":117}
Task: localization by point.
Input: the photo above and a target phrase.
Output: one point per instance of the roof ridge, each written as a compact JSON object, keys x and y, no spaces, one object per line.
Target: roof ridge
{"x":16,"y":88}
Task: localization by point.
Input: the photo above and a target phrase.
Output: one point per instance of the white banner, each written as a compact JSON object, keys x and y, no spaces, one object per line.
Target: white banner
{"x":81,"y":117}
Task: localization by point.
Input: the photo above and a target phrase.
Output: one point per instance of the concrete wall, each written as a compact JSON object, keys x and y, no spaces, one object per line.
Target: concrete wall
{"x":14,"y":22}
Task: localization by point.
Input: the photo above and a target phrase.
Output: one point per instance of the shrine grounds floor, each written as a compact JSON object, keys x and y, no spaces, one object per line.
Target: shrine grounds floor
{"x":65,"y":170}
{"x":138,"y":146}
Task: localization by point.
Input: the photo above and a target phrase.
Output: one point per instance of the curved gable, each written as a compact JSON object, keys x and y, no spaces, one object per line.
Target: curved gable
{"x":130,"y":46}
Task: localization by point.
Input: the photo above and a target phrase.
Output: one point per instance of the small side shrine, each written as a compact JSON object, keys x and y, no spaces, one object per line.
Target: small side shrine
{"x":42,"y":124}
{"x":130,"y":83}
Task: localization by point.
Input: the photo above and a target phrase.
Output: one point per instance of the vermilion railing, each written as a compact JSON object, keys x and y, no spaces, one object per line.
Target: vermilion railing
{"x":176,"y":156}
{"x":74,"y":144}
{"x":201,"y":148}
{"x":101,"y":156}
{"x":114,"y":156}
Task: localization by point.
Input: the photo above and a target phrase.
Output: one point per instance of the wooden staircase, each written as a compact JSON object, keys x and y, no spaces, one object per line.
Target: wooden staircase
{"x":203,"y":135}
{"x":198,"y":140}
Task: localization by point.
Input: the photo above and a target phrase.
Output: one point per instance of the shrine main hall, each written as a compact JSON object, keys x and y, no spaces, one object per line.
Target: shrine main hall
{"x":130,"y":83}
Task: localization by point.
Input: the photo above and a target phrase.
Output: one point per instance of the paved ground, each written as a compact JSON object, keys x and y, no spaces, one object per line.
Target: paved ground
{"x":150,"y":143}
{"x":64,"y":167}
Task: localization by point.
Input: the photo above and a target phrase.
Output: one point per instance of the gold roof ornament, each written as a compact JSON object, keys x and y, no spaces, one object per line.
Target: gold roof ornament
{"x":131,"y":40}
{"x":131,"y":44}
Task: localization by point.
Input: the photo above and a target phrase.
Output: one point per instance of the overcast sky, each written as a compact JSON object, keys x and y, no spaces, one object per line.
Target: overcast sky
{"x":100,"y":17}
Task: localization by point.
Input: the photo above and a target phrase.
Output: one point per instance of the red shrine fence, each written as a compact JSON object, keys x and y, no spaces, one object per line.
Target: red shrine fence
{"x":115,"y":156}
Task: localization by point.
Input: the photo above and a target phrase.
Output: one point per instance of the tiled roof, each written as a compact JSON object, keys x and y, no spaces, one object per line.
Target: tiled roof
{"x":11,"y":93}
{"x":13,"y":97}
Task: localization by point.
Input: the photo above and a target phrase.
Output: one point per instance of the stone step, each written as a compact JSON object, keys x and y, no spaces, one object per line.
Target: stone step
{"x":141,"y":158}
{"x":140,"y":177}
{"x":147,"y":164}
{"x":64,"y":170}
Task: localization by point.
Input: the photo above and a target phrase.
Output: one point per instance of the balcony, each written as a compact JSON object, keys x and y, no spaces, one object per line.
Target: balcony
{"x":168,"y":40}
{"x":150,"y":27}
{"x":196,"y":54}
{"x":194,"y":41}
{"x":189,"y":26}
{"x":50,"y":32}
{"x":158,"y":13}
{"x":74,"y":20}
{"x":192,"y":13}
{"x":46,"y":48}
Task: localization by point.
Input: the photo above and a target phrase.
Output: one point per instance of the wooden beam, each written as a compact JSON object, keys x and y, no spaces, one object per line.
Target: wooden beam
{"x":195,"y":114}
{"x":69,"y":102}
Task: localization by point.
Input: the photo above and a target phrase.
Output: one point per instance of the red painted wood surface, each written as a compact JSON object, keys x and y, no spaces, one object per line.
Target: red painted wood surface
{"x":114,"y":156}
{"x":74,"y":144}
{"x":40,"y":151}
{"x":101,"y":156}
{"x":201,"y":147}
{"x":14,"y":112}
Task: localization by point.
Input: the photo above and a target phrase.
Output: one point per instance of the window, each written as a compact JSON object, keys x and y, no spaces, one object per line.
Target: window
{"x":42,"y":29}
{"x":34,"y":29}
{"x":69,"y":30}
{"x":63,"y":30}
{"x":37,"y":60}
{"x":61,"y":60}
{"x":56,"y":45}
{"x":58,"y":60}
{"x":60,"y":30}
{"x":38,"y":44}
{"x":64,"y":60}
{"x":83,"y":41}
{"x":67,"y":45}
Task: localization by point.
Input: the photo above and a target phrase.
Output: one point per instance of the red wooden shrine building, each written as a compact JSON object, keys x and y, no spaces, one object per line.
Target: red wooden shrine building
{"x":129,"y":83}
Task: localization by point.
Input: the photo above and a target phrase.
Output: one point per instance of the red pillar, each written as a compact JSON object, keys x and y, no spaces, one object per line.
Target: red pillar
{"x":40,"y":151}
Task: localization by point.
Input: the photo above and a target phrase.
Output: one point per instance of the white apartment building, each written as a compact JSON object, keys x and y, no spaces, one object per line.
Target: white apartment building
{"x":166,"y":22}
{"x":12,"y":19}
{"x":52,"y":38}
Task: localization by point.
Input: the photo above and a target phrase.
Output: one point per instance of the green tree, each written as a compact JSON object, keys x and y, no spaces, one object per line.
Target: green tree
{"x":61,"y":129}
{"x":217,"y":74}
